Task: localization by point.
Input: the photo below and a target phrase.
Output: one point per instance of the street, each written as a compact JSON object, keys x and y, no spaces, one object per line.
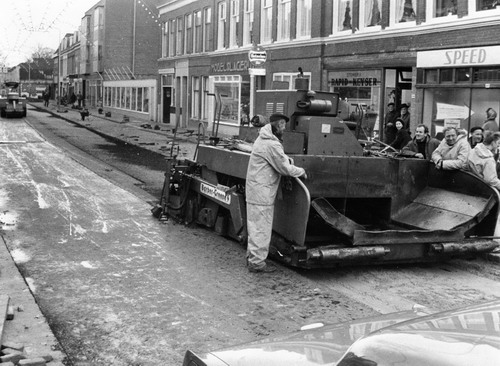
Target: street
{"x":119,"y":287}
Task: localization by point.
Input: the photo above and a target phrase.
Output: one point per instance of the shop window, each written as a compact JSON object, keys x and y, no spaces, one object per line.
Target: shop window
{"x":446,"y":75}
{"x":461,"y":107}
{"x":248,"y":15}
{"x":234,"y":23}
{"x":431,"y":76}
{"x":234,"y":95}
{"x":304,"y":18}
{"x":284,"y":10}
{"x":266,"y":21}
{"x":145,"y":105}
{"x":486,"y":75}
{"x":463,"y":75}
{"x":370,"y":17}
{"x":133,"y":105}
{"x":221,"y":25}
{"x":403,"y":12}
{"x":342,"y":16}
{"x":127,"y":98}
{"x":197,"y":32}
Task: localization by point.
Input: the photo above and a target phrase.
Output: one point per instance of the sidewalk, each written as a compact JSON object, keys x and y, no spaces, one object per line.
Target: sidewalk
{"x":140,"y":132}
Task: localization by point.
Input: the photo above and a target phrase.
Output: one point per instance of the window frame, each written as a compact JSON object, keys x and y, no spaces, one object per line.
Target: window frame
{"x":207,"y":43}
{"x":284,"y":11}
{"x":336,"y":18}
{"x":430,"y":6}
{"x":248,"y":19}
{"x":234,"y":21}
{"x":304,"y":17}
{"x":266,"y":27}
{"x":198,"y":31}
{"x":394,"y":22}
{"x":361,"y":15}
{"x":221,"y":25}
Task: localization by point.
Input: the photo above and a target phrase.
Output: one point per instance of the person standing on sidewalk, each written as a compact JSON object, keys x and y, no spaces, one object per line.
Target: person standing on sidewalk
{"x":267,"y":164}
{"x":46,"y":98}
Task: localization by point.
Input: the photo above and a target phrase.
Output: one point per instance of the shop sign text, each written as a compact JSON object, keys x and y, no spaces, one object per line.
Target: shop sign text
{"x":460,"y":57}
{"x":354,"y":82}
{"x":216,"y":193}
{"x":465,"y":57}
{"x":219,"y":67}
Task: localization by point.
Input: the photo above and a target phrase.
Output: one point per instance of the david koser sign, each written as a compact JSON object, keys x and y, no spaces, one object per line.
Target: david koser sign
{"x":475,"y":56}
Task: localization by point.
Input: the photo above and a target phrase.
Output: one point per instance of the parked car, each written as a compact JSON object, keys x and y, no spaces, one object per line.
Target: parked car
{"x":466,"y":336}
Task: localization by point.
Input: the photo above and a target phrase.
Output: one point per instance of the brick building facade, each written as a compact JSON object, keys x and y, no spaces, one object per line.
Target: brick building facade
{"x":370,"y":51}
{"x":119,"y":44}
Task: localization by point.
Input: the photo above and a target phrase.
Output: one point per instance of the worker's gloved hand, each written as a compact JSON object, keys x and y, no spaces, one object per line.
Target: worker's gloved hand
{"x":304,"y":175}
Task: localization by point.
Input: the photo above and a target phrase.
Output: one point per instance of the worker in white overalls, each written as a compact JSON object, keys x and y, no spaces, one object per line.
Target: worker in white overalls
{"x":268,"y":162}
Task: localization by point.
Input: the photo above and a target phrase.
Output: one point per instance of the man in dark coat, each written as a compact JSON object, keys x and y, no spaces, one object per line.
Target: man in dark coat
{"x":390,"y":124}
{"x":423,"y":145}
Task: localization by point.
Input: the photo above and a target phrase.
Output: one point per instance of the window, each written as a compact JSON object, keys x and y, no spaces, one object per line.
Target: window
{"x":133,"y":98}
{"x":483,"y":7}
{"x":196,"y":100}
{"x":342,"y":16}
{"x":266,"y":22}
{"x":286,"y":80}
{"x":164,"y":40}
{"x":234,"y":23}
{"x":207,"y":29}
{"x":284,"y":7}
{"x":171,"y":37}
{"x":189,"y":33}
{"x":403,"y":11}
{"x":139,"y":99}
{"x":369,"y":15}
{"x":221,"y":24}
{"x":204,"y":98}
{"x":197,"y":32}
{"x":179,"y":42}
{"x":304,"y":18}
{"x":441,"y":8}
{"x":236,"y":96}
{"x":248,"y":22}
{"x":145,"y":106}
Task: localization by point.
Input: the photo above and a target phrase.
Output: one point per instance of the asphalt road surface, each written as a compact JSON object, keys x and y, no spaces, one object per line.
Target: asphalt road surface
{"x":119,"y":287}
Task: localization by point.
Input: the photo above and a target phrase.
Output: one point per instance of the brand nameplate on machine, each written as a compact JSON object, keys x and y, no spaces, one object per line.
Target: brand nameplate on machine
{"x":214,"y":192}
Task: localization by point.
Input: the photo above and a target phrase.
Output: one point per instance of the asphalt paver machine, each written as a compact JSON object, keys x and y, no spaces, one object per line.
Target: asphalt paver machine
{"x":358,"y":205}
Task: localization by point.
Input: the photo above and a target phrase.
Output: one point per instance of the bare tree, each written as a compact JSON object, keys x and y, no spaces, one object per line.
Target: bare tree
{"x":42,"y":52}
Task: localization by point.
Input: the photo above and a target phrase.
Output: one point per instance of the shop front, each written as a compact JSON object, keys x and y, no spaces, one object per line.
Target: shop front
{"x":458,"y":86}
{"x":131,"y":97}
{"x":361,"y":90}
{"x":229,"y":86}
{"x":368,"y":92}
